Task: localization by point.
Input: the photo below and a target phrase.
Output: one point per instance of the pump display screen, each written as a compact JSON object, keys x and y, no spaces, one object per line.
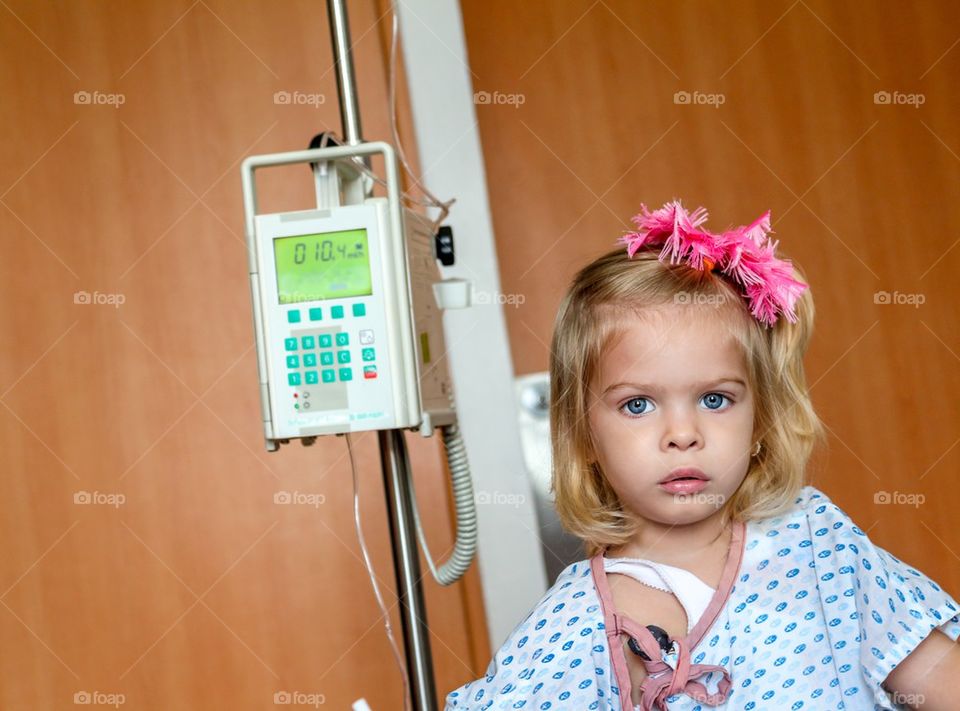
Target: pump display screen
{"x":327,"y":265}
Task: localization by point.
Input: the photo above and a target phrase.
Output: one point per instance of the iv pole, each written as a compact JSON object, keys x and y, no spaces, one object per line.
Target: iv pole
{"x":393,"y":453}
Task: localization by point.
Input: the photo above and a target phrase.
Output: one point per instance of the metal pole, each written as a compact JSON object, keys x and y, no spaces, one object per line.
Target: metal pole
{"x":343,"y":59}
{"x":413,"y":611}
{"x":393,"y":459}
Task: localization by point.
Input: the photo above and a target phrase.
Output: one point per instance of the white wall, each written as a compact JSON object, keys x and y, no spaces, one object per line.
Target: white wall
{"x":510,"y":556}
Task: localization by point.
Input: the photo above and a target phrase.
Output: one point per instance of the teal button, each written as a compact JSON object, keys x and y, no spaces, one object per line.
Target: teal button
{"x":343,"y":339}
{"x":368,"y":354}
{"x":293,"y":378}
{"x":325,"y":340}
{"x":336,"y":311}
{"x":326,"y":358}
{"x":311,"y":377}
{"x":293,"y":316}
{"x":293,"y":361}
{"x":327,"y":376}
{"x":343,"y":356}
{"x":316,"y":314}
{"x":346,"y":374}
{"x":359,"y":309}
{"x":290,"y":344}
{"x":309,"y":360}
{"x":307,"y":342}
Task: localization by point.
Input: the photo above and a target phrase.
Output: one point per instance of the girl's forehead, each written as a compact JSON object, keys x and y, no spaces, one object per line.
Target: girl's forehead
{"x":677,"y":326}
{"x":670,"y":345}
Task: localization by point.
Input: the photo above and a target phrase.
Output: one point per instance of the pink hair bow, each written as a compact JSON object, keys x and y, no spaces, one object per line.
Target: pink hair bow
{"x":744,"y":254}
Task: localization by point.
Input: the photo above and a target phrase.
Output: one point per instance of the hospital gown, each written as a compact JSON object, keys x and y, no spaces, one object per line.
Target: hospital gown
{"x":809,"y":614}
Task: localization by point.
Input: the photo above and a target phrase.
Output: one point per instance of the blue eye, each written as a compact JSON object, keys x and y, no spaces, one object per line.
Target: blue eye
{"x":634,"y":406}
{"x":715,"y":398}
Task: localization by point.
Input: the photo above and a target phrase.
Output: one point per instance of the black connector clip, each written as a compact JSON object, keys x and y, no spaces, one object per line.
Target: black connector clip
{"x":443,"y":245}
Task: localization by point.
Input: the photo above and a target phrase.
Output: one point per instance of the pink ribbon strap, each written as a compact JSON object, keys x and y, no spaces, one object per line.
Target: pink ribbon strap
{"x":655,"y":690}
{"x":659,"y":684}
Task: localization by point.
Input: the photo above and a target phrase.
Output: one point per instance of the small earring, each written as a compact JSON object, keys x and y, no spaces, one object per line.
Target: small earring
{"x":756,"y":450}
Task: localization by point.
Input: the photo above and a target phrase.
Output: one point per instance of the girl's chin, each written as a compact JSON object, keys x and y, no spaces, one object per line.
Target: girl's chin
{"x":678,"y":515}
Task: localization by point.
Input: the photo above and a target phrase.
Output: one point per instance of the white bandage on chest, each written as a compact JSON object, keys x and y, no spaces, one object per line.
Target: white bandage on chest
{"x":694,"y":594}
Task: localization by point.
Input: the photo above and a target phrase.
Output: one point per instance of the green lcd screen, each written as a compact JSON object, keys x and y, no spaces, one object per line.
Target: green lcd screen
{"x":328,"y":265}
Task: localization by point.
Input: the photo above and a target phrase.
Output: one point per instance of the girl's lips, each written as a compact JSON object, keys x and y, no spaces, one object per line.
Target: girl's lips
{"x":684,"y":486}
{"x":684,"y":472}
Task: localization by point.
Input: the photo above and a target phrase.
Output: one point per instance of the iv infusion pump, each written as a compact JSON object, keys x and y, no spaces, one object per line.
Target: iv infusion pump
{"x":347,"y":304}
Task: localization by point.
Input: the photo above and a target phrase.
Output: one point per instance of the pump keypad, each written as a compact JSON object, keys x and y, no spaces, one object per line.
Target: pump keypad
{"x":332,"y":345}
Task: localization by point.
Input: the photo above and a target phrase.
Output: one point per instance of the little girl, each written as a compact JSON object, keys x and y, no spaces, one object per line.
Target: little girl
{"x":681,"y":427}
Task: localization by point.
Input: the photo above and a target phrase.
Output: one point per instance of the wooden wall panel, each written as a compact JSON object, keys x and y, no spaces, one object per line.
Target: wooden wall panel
{"x":197,"y":591}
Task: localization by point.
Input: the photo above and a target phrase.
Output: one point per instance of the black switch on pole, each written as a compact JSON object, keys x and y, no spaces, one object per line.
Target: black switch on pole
{"x":443,"y":245}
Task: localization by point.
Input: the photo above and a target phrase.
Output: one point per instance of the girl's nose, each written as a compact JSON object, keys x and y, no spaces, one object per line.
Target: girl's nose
{"x":682,"y":432}
{"x":683,"y":441}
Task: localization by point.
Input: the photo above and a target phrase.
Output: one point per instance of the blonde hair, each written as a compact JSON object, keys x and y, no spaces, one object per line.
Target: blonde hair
{"x":588,"y":321}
